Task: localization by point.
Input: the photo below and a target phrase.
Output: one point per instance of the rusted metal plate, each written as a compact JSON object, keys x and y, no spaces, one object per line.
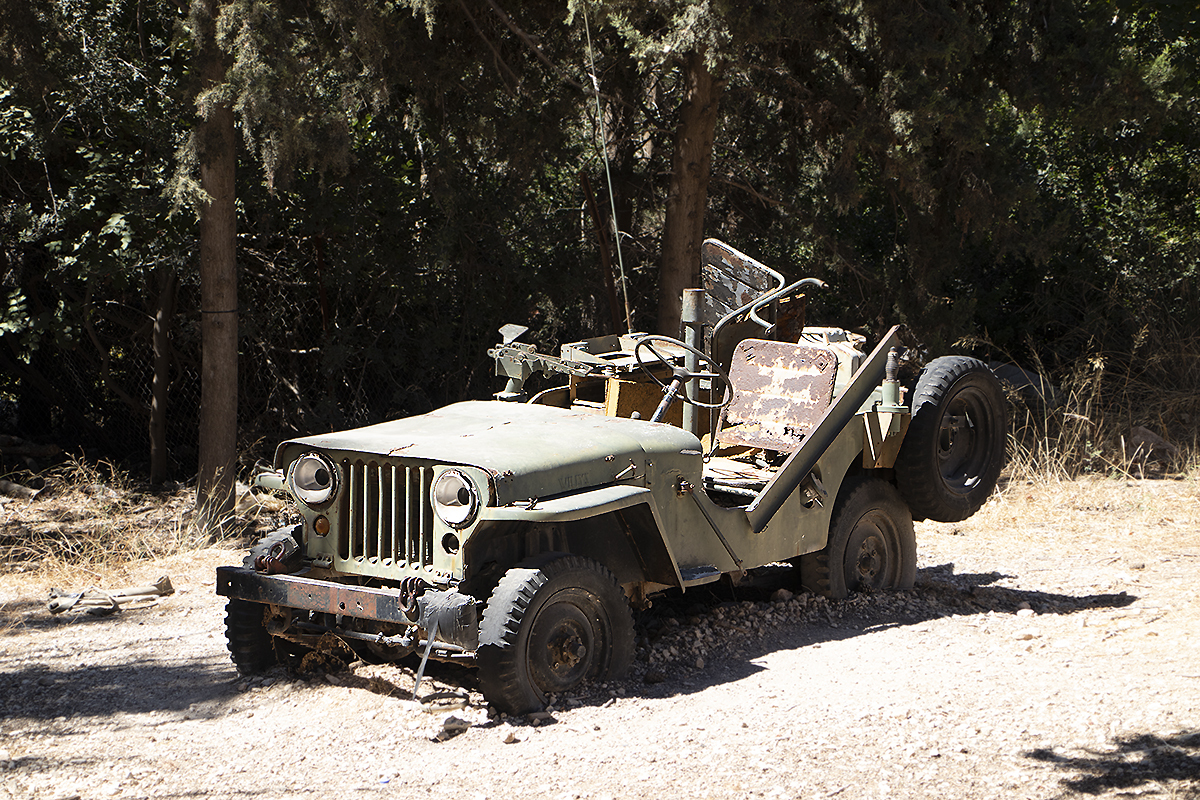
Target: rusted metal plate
{"x":780,"y":392}
{"x":731,"y":279}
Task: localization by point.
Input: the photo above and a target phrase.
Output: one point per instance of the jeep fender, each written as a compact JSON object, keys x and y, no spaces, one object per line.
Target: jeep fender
{"x":619,"y":526}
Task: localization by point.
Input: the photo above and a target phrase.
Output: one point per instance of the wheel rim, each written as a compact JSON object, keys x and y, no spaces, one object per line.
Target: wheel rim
{"x":871,"y":553}
{"x":566,"y":642}
{"x":964,"y":445}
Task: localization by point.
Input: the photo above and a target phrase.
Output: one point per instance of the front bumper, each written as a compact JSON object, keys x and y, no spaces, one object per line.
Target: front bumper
{"x":451,"y":614}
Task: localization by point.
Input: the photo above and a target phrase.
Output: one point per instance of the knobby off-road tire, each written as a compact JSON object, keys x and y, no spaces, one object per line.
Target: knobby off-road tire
{"x":250,"y":645}
{"x":954,"y":449}
{"x":552,"y":623}
{"x":871,"y":543}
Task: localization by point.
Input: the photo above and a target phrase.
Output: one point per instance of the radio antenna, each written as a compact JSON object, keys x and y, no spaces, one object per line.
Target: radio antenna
{"x":603,"y":147}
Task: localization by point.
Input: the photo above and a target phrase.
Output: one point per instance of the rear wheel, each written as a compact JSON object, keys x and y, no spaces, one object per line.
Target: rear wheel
{"x":551,"y":624}
{"x":954,"y":449}
{"x":871,"y":543}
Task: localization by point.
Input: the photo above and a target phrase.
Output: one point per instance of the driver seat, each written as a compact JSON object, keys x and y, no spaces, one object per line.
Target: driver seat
{"x":780,"y":391}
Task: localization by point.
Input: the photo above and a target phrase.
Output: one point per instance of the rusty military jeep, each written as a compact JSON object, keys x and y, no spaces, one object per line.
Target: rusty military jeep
{"x":517,"y":534}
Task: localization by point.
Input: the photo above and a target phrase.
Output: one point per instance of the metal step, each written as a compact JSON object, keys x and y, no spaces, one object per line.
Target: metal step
{"x":696,"y":576}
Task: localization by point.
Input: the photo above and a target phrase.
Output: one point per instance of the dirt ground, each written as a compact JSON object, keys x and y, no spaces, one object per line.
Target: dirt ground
{"x":1050,"y":649}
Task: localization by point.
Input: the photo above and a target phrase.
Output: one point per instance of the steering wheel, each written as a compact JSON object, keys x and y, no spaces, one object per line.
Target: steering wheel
{"x":680,"y":375}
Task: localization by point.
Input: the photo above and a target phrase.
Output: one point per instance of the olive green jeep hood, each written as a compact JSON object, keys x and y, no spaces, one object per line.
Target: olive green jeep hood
{"x":530,"y":450}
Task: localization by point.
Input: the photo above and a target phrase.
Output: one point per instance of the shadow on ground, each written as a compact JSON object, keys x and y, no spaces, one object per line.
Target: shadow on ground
{"x":23,"y":613}
{"x":206,"y":687}
{"x":938,"y":592}
{"x":1134,"y":762}
{"x":47,"y":693}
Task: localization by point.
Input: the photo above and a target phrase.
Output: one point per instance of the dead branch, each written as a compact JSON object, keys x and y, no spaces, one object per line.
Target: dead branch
{"x":500,"y":62}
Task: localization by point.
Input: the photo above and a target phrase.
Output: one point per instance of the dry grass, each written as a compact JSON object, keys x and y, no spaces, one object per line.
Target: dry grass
{"x":1086,"y":428}
{"x":1114,"y":381}
{"x":90,"y":521}
{"x":1156,"y":514}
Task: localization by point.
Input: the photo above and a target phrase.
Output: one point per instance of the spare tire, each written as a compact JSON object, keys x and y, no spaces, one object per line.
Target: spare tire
{"x":954,"y":449}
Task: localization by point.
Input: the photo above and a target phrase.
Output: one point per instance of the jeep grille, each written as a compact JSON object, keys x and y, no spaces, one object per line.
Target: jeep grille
{"x":386,"y":515}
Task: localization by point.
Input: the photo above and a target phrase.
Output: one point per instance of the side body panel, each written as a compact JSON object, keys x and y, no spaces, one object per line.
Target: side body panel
{"x":795,"y":530}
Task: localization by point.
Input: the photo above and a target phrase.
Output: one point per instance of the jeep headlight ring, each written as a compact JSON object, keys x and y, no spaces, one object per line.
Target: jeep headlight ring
{"x":455,"y":499}
{"x":313,"y":479}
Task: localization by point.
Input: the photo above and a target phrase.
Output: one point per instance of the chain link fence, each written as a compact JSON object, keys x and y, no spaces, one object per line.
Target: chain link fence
{"x":288,"y":383}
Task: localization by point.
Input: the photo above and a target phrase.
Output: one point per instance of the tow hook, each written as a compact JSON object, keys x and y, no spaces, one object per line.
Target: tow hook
{"x":279,"y":559}
{"x":278,"y":620}
{"x":411,"y":590}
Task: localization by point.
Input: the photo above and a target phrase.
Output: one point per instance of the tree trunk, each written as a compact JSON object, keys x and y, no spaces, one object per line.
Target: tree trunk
{"x":217,"y":154}
{"x":162,"y":376}
{"x":683,"y":230}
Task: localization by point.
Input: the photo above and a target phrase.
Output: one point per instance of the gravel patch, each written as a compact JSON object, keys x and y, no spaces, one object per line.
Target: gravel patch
{"x":1049,"y":649}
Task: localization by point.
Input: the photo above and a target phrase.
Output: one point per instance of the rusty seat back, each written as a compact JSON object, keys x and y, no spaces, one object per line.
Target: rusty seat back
{"x":780,"y":391}
{"x":731,"y":279}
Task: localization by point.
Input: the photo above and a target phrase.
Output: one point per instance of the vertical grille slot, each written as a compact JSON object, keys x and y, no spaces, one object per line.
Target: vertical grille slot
{"x":386,"y":515}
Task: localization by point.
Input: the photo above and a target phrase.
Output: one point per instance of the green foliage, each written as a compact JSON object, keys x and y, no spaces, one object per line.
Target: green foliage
{"x":84,"y":161}
{"x":1115,"y":214}
{"x":1022,"y":174}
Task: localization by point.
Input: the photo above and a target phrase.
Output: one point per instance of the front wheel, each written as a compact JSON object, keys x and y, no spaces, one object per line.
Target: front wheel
{"x":550,"y":625}
{"x":251,"y":647}
{"x":871,"y":543}
{"x":246,"y":635}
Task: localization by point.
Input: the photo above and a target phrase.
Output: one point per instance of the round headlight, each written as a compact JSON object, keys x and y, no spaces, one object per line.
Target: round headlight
{"x":314,"y":480}
{"x":455,"y":499}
